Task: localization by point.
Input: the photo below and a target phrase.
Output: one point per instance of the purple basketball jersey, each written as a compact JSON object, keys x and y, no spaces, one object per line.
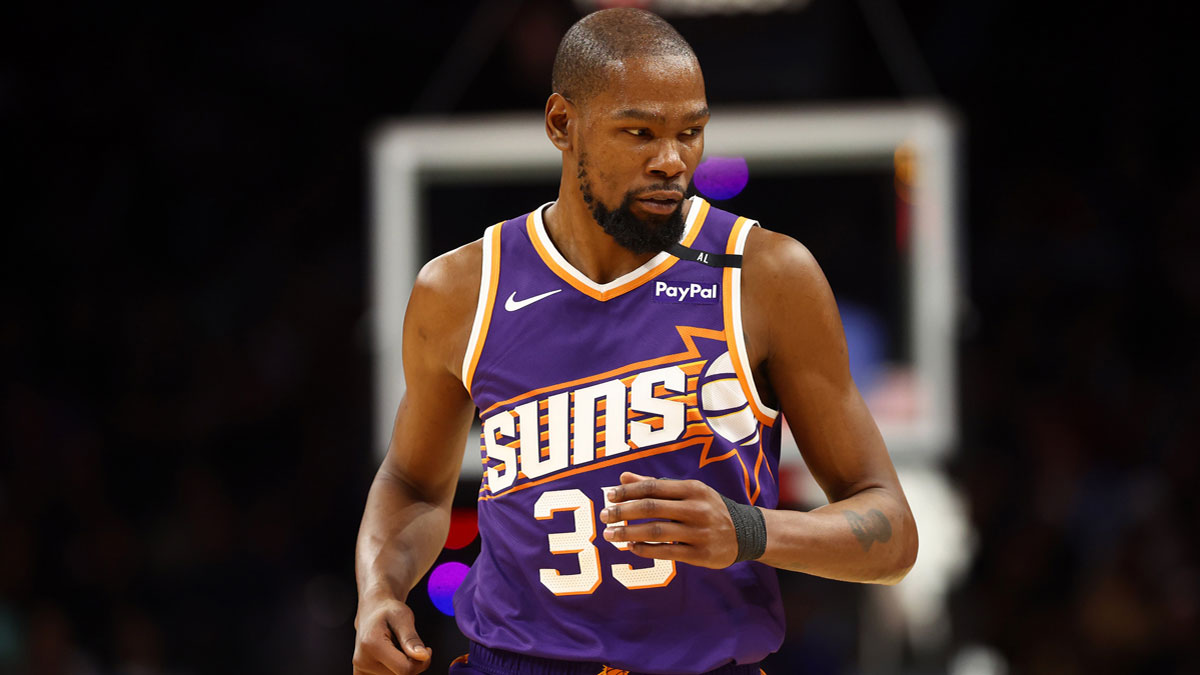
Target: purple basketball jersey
{"x":577,"y":382}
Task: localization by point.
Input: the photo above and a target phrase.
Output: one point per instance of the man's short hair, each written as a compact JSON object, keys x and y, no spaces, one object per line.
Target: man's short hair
{"x":601,"y":39}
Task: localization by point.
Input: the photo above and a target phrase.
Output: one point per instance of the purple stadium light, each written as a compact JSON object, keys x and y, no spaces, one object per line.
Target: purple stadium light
{"x":443,"y":581}
{"x":721,"y":177}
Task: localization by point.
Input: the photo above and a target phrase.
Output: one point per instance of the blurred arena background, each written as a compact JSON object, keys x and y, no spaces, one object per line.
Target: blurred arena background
{"x":189,"y":341}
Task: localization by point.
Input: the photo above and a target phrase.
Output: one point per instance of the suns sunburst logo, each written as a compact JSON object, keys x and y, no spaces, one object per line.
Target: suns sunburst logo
{"x":694,"y":398}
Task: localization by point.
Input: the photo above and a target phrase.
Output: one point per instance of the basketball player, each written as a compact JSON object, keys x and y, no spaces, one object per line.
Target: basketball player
{"x":630,"y":352}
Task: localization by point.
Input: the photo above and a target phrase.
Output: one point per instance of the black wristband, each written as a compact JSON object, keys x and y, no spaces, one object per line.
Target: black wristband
{"x":750,"y":528}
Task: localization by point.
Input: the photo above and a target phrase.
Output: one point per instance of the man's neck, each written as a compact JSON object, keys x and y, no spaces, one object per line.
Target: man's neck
{"x":584,"y":244}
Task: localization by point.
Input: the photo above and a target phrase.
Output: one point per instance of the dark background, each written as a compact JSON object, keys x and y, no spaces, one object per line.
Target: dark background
{"x":184,"y":345}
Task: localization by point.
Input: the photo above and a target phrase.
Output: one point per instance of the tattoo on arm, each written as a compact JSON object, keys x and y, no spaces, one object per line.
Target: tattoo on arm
{"x":875,"y":527}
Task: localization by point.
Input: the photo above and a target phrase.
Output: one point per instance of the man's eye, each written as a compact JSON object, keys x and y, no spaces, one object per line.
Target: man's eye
{"x":692,"y":132}
{"x":636,"y":132}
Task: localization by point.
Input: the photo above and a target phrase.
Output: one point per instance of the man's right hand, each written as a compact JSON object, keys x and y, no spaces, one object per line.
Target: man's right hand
{"x":387,"y":641}
{"x":407,"y":515}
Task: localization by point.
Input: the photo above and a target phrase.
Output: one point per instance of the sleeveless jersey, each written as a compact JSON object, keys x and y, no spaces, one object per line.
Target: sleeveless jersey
{"x":577,"y":382}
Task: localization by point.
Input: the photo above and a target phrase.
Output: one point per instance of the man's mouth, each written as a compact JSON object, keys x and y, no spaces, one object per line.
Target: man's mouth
{"x":660,"y":202}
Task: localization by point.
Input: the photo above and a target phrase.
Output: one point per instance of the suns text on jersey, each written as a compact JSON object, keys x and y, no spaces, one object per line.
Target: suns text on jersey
{"x":580,"y":426}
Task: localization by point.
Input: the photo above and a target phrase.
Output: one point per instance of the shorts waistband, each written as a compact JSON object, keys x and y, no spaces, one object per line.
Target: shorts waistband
{"x":501,"y":662}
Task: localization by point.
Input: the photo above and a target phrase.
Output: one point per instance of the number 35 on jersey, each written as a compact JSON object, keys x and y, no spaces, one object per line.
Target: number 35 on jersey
{"x":580,"y":542}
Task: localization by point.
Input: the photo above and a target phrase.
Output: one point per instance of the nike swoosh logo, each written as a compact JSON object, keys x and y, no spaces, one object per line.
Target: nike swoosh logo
{"x":512,"y":304}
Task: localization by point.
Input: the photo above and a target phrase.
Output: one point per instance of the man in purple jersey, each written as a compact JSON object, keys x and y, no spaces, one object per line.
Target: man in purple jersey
{"x":616,"y":336}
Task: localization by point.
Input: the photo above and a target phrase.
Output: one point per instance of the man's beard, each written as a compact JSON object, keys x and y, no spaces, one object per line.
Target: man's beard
{"x":628,"y":230}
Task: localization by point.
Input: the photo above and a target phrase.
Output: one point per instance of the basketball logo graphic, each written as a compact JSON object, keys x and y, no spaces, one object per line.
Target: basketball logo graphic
{"x":723,"y":403}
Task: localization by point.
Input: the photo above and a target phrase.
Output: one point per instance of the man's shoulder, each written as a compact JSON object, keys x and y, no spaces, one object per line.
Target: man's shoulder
{"x":453,"y":272}
{"x":446,"y":290}
{"x":776,"y":256}
{"x":441,"y":308}
{"x":781,"y":281}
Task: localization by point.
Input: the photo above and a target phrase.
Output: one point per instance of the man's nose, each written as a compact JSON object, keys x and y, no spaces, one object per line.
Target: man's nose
{"x":667,"y":162}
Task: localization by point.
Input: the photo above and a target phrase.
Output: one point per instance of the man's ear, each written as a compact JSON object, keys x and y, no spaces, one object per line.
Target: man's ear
{"x":560,"y":114}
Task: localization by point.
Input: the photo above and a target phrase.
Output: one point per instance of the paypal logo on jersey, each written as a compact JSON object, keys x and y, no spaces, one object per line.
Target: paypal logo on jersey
{"x":686,"y":291}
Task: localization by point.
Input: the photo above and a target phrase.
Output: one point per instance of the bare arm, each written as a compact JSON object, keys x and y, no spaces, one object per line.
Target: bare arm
{"x":407,"y":515}
{"x":866,"y":533}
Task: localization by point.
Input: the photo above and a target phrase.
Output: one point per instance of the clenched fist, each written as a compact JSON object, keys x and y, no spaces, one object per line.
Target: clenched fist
{"x":387,"y":641}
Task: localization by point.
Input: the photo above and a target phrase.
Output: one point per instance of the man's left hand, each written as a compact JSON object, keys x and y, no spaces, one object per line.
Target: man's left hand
{"x":693,"y":520}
